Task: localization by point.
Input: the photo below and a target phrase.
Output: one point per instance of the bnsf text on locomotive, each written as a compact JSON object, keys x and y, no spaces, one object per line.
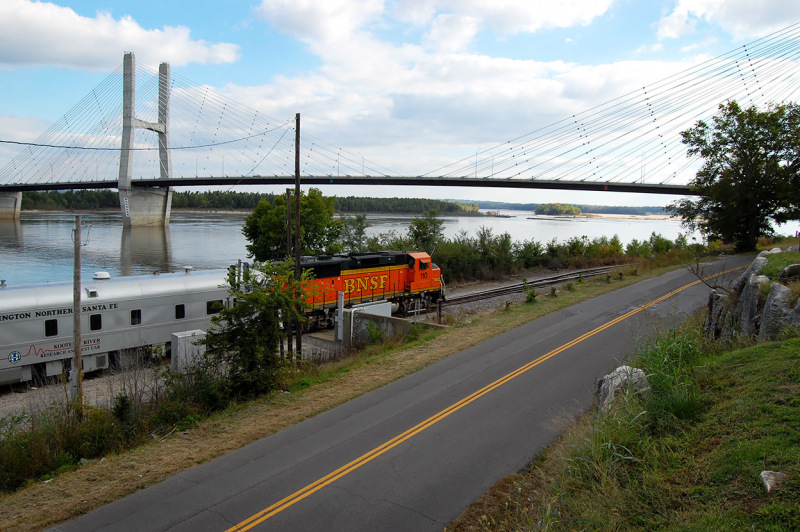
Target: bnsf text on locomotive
{"x":376,"y":282}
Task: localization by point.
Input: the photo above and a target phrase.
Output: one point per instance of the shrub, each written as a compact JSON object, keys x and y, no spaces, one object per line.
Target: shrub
{"x":668,"y":361}
{"x":637,"y":249}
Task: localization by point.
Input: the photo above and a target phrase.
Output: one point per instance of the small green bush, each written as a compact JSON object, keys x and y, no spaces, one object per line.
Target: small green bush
{"x":668,"y":361}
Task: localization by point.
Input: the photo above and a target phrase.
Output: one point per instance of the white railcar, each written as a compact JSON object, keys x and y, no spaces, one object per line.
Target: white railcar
{"x":36,"y":322}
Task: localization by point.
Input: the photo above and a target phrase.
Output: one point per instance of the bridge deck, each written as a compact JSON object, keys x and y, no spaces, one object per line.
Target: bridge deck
{"x":642,"y":188}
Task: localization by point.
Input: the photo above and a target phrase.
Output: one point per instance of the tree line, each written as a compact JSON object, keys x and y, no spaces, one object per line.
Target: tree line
{"x":79,"y":200}
{"x":84,"y":200}
{"x":484,"y":256}
{"x":558,"y":209}
{"x":586,"y":209}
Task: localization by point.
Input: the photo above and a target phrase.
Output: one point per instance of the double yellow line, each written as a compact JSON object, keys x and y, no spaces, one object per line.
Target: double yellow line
{"x":301,"y":494}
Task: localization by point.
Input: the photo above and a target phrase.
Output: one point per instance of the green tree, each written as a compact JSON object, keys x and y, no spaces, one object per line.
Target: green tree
{"x":243,"y":343}
{"x":749,"y":175}
{"x":265,"y":227}
{"x":354,"y":233}
{"x":426,"y":231}
{"x":558,"y":209}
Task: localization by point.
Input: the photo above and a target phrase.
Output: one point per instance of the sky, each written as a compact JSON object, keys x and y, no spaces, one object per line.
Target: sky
{"x":412,"y":84}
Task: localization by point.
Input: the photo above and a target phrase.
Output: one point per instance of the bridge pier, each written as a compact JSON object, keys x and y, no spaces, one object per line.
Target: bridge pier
{"x":10,"y":203}
{"x":144,"y":205}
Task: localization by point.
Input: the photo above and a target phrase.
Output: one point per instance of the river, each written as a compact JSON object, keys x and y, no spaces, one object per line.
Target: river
{"x":38,"y":248}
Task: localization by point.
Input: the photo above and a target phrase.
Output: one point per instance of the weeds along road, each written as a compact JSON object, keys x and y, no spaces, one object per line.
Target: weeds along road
{"x":413,"y":454}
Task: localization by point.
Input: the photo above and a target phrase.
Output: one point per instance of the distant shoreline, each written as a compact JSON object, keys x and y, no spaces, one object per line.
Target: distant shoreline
{"x":605,"y":216}
{"x":631,"y":216}
{"x":530,"y":216}
{"x":248,"y":211}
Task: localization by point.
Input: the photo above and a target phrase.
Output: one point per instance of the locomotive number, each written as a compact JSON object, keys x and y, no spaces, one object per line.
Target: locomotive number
{"x":423,"y":275}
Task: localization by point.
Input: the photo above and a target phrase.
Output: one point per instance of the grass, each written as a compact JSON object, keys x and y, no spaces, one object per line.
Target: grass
{"x":656,"y":464}
{"x":777,"y":262}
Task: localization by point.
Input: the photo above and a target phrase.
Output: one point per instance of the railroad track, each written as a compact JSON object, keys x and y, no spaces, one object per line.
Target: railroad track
{"x":538,"y":283}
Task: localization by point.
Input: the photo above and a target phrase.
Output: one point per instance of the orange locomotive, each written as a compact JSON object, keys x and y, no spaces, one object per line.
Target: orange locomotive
{"x":403,"y":278}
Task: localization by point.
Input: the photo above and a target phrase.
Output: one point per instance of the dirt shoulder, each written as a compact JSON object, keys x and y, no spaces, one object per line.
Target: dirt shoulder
{"x":44,"y":504}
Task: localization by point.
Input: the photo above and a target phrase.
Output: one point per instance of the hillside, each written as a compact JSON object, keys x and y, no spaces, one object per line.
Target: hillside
{"x":736,"y":413}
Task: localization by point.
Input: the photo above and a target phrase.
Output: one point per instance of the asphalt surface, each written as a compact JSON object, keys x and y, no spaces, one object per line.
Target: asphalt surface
{"x":414,"y":454}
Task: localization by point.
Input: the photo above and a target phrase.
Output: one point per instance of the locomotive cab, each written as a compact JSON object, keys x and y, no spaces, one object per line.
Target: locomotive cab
{"x":423,"y":279}
{"x":420,"y":268}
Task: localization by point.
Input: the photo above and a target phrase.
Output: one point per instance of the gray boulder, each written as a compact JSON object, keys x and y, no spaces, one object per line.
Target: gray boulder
{"x":718,"y":316}
{"x":621,"y":379}
{"x":755,"y":268}
{"x":747,"y":305}
{"x":789,"y":273}
{"x":770,"y":252}
{"x":777,"y":312}
{"x":771,"y":479}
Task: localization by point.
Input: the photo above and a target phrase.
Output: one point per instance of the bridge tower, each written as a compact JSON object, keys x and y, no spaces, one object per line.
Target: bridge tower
{"x":144,"y":205}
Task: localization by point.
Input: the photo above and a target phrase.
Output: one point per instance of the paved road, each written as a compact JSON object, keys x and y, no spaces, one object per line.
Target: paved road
{"x":413,"y":454}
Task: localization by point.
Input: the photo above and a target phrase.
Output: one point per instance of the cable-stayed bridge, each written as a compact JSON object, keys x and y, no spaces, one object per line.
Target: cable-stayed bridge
{"x":144,"y":131}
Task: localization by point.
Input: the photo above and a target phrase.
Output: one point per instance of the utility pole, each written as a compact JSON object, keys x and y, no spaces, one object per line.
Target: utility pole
{"x":297,"y":222}
{"x":287,"y":324}
{"x":76,"y":375}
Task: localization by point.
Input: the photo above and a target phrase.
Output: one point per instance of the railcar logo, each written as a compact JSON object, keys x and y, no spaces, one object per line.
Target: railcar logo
{"x":15,"y":356}
{"x":364,"y":284}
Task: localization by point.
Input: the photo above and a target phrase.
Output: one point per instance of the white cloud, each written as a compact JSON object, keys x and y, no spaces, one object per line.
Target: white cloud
{"x":335,"y":20}
{"x":39,"y":33}
{"x":373,"y":78}
{"x":512,"y":16}
{"x":416,"y":12}
{"x":19,"y":129}
{"x":382,"y":98}
{"x":451,"y":33}
{"x":649,"y":49}
{"x":740,"y":18}
{"x":677,"y":24}
{"x":507,"y":16}
{"x":312,"y":21}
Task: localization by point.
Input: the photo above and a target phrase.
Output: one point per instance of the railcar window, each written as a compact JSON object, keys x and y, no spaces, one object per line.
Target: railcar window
{"x":136,"y":316}
{"x":213,"y":307}
{"x":95,"y":322}
{"x":51,"y":327}
{"x":180,"y":311}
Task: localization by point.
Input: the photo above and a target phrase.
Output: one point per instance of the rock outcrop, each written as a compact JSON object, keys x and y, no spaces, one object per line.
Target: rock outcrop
{"x":790,"y":273}
{"x":755,"y":268}
{"x":777,"y":312}
{"x":738,"y":312}
{"x":747,"y":305}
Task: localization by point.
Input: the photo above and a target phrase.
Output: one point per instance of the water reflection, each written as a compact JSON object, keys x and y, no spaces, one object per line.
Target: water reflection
{"x":10,"y":234}
{"x":145,"y":248}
